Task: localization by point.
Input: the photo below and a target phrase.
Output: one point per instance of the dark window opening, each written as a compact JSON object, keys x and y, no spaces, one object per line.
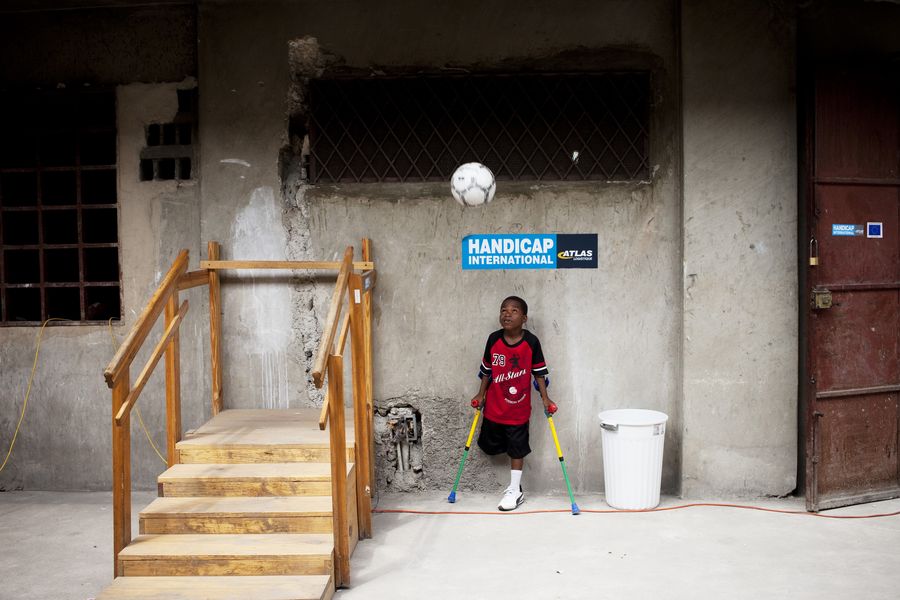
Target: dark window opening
{"x":19,"y":189}
{"x":553,"y":127}
{"x":59,"y":188}
{"x":61,"y":266}
{"x":60,"y":226}
{"x":169,"y":151}
{"x":99,"y":226}
{"x":166,"y":168}
{"x":59,"y":253}
{"x":98,"y":187}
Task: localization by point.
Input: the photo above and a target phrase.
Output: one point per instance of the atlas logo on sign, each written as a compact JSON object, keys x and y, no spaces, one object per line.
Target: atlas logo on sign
{"x":576,"y":254}
{"x":576,"y":251}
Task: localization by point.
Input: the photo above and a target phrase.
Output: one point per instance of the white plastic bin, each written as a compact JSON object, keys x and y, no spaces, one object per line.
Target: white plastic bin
{"x":632,"y":442}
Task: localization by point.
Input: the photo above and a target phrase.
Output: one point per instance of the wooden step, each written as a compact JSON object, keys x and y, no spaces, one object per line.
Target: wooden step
{"x":267,"y":479}
{"x":274,"y":514}
{"x":227,"y":554}
{"x":282,"y":587}
{"x":258,"y":436}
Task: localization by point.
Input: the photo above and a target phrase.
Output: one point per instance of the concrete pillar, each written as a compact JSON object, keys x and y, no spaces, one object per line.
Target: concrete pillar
{"x":740,"y":264}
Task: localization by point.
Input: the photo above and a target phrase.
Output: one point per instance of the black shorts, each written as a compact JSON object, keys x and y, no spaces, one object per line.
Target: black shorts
{"x":497,"y":438}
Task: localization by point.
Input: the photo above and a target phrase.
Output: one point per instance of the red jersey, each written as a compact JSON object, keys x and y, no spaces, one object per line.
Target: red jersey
{"x":510,"y":367}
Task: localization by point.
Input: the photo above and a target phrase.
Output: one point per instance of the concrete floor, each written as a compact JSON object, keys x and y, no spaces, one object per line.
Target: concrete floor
{"x":57,"y":545}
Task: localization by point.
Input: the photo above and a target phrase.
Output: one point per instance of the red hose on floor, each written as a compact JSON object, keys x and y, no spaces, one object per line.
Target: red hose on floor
{"x":613,"y":511}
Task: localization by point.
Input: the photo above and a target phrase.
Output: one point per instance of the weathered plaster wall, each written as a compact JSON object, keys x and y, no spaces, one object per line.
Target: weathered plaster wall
{"x":612,"y":336}
{"x":98,"y":46}
{"x":65,"y":438}
{"x":740,"y":272}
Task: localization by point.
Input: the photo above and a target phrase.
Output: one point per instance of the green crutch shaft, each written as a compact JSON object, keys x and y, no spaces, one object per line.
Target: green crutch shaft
{"x":562,"y":462}
{"x":452,"y":497}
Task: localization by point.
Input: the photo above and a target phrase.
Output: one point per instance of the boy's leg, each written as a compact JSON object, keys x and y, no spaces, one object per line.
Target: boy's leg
{"x":518,"y":449}
{"x":515,"y":473}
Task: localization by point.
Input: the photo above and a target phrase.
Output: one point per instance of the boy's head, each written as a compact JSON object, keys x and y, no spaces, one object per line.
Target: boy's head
{"x":523,"y":306}
{"x":513,"y":313}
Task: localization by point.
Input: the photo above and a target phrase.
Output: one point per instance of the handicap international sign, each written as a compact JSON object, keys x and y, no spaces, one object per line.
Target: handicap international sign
{"x":530,"y":251}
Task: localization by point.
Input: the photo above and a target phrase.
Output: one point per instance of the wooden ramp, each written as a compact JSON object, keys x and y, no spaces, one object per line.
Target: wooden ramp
{"x":247,"y":513}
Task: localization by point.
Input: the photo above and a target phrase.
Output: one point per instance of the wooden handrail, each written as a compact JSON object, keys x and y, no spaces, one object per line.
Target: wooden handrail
{"x":307,"y":265}
{"x":147,"y":371}
{"x":193,"y":279}
{"x":331,"y":322}
{"x":342,"y":336}
{"x":342,"y":342}
{"x":129,"y":348}
{"x":124,"y":397}
{"x":338,"y":443}
{"x":215,"y":329}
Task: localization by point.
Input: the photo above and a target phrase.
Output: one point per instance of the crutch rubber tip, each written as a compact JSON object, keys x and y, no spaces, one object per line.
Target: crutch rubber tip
{"x":452,"y":498}
{"x":575,"y":509}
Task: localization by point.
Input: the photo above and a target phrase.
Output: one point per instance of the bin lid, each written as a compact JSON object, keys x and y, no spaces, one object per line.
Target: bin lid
{"x":634,"y":417}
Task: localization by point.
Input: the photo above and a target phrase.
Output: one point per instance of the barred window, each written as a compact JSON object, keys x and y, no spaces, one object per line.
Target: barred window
{"x":524,"y":127}
{"x":59,"y":251}
{"x":169,"y":151}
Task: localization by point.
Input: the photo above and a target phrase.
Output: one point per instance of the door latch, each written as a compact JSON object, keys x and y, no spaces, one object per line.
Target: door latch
{"x":820,"y":299}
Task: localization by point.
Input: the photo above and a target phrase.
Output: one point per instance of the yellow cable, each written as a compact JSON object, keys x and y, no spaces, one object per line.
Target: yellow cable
{"x":37,"y":352}
{"x":138,"y":410}
{"x":27,"y":391}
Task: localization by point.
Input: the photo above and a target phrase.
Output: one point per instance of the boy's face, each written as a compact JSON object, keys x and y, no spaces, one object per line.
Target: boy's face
{"x":511,"y":316}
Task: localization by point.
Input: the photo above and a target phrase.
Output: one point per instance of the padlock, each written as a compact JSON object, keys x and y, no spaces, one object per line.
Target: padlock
{"x":813,"y":252}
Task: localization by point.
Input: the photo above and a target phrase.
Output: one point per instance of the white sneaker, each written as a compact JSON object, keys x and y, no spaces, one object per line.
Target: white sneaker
{"x":511,"y":499}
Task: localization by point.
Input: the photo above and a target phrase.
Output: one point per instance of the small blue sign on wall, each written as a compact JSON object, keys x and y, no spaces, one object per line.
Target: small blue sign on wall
{"x":845,"y":229}
{"x":874,"y":230}
{"x":530,"y":251}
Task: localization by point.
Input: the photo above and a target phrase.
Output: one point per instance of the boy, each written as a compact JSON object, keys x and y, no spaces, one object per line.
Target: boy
{"x":511,"y":356}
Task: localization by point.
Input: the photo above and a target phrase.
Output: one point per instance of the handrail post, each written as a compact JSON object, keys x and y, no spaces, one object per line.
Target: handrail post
{"x":215,"y":329}
{"x":121,"y":480}
{"x":173,"y":382}
{"x":338,"y":444}
{"x":370,"y":401}
{"x":360,"y":412}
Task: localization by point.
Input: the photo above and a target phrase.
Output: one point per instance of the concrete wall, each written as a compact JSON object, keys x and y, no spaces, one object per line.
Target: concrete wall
{"x":612,"y":336}
{"x":65,"y":438}
{"x":97,"y":46}
{"x":692,"y":311}
{"x":740,"y":270}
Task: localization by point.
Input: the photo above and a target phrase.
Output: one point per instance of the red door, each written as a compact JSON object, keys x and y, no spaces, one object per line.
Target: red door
{"x":852,"y":410}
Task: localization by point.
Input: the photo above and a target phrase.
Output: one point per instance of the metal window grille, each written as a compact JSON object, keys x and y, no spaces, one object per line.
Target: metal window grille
{"x":550,"y":127}
{"x":169,"y":152}
{"x":59,"y":254}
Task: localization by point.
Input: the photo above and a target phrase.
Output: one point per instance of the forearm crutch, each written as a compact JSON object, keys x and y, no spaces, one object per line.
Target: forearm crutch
{"x":452,"y":497}
{"x":562,"y":461}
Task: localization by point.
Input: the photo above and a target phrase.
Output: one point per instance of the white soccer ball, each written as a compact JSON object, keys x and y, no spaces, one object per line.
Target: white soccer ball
{"x":473,"y":184}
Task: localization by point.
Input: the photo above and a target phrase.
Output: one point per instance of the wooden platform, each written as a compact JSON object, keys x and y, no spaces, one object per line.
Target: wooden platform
{"x":257,"y":436}
{"x":248,"y":514}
